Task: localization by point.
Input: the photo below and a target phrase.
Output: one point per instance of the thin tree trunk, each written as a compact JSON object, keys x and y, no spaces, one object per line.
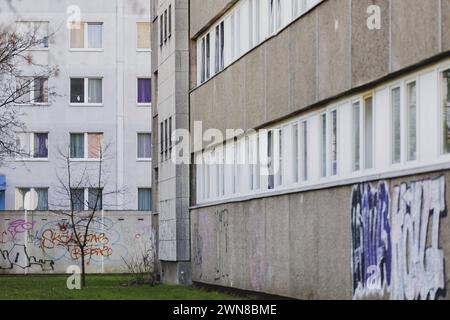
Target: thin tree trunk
{"x":83,"y":270}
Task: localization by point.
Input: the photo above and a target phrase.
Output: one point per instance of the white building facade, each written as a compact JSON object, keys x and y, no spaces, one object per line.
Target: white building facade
{"x":102,"y":94}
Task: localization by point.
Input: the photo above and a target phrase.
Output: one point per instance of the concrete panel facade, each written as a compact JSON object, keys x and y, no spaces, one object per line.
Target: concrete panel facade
{"x":415,"y":36}
{"x":205,"y":12}
{"x":370,"y":47}
{"x":325,"y":53}
{"x":301,"y":245}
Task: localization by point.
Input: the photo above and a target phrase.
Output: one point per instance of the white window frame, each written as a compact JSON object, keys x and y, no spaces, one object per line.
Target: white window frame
{"x":31,"y":90}
{"x":86,"y":147}
{"x":86,"y":37}
{"x":137,"y":34}
{"x":141,"y":104}
{"x":137,"y":146}
{"x":407,"y":110}
{"x":330,"y":141}
{"x":402,"y":128}
{"x":86,"y":102}
{"x":365,"y":97}
{"x":31,"y":157}
{"x":16,"y":189}
{"x":441,"y":94}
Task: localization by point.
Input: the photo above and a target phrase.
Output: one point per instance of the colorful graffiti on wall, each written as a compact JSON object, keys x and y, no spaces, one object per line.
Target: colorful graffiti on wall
{"x":395,"y":246}
{"x":371,"y":234}
{"x":43,"y":244}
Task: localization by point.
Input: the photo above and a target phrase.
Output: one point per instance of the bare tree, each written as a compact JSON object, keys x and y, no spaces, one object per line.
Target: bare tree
{"x":15,"y":89}
{"x":73,"y":179}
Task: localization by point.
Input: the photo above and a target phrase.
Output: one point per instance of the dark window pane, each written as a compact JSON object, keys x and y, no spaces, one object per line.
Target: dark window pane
{"x":78,"y":199}
{"x":95,"y":200}
{"x":77,"y":90}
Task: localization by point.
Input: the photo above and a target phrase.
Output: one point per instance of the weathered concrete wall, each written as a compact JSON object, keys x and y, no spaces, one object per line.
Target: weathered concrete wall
{"x":205,"y":12}
{"x":385,"y":239}
{"x":42,"y":242}
{"x":325,"y":53}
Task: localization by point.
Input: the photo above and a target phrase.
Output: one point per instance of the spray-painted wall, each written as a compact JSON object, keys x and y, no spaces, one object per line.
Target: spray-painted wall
{"x":386,"y":239}
{"x":44,"y":242}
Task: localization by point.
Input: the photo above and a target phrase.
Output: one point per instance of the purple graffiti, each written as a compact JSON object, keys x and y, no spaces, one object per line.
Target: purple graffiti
{"x":19,"y":226}
{"x":371,"y":239}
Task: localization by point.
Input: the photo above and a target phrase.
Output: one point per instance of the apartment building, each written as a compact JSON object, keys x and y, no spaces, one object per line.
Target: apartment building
{"x":170,"y":57}
{"x":102,"y":98}
{"x":336,"y":186}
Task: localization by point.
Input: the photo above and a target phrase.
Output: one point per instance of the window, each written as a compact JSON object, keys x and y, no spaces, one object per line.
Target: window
{"x":446,"y":111}
{"x":205,"y":58}
{"x":42,"y":198}
{"x":165,"y":26}
{"x":219,"y":61}
{"x":143,"y":35}
{"x":334,"y":143}
{"x":170,"y":134}
{"x":170,"y":21}
{"x":304,"y":147}
{"x":94,"y":145}
{"x":356,"y":136}
{"x":144,"y":91}
{"x":161,"y":31}
{"x":323,"y":145}
{"x":77,"y":199}
{"x":412,"y":121}
{"x":32,"y":145}
{"x":86,"y":91}
{"x":166,"y":135}
{"x":89,"y":35}
{"x":274,"y":16}
{"x":86,"y":144}
{"x":368,"y":133}
{"x":77,"y":145}
{"x":144,"y":199}
{"x":144,"y":145}
{"x":31,"y":90}
{"x":295,"y":152}
{"x":270,"y":160}
{"x":279,"y":157}
{"x":36,"y":32}
{"x":95,"y":199}
{"x":2,"y":192}
{"x":161,"y":137}
{"x":396,"y":125}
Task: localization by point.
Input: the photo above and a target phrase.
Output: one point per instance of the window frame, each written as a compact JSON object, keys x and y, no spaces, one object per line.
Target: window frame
{"x":16,"y":190}
{"x":143,"y":104}
{"x":394,"y":162}
{"x":137,"y":37}
{"x":86,"y":102}
{"x":32,"y":102}
{"x":151,"y":197}
{"x":86,"y":37}
{"x":137,"y":147}
{"x":407,"y":118}
{"x":31,"y":157}
{"x":85,"y":147}
{"x":443,"y":103}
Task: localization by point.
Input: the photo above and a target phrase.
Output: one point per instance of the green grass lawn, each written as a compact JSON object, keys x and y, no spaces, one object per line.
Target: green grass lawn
{"x":99,"y":287}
